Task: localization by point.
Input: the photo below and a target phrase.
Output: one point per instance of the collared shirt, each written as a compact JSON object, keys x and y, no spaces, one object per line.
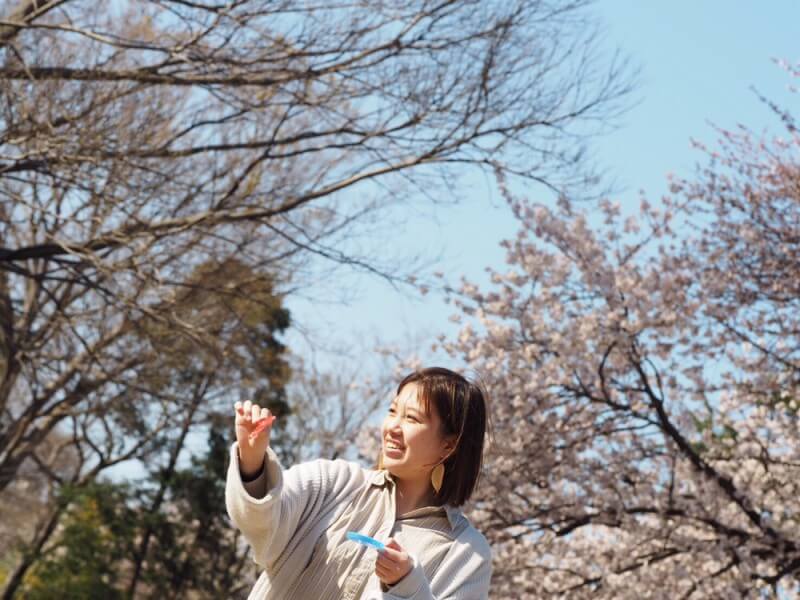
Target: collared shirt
{"x":296,"y":522}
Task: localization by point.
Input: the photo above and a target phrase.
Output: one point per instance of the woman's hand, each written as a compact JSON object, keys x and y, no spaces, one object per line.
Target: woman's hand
{"x":393,"y":563}
{"x":253,"y":438}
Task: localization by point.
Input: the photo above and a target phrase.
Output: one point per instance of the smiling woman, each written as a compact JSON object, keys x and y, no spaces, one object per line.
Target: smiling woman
{"x":299,"y":521}
{"x":435,"y":412}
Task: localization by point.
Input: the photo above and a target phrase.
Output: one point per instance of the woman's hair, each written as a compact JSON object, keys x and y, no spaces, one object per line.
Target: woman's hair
{"x":462,"y":408}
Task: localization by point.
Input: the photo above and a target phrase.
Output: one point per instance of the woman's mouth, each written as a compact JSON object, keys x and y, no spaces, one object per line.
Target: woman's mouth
{"x":393,"y":449}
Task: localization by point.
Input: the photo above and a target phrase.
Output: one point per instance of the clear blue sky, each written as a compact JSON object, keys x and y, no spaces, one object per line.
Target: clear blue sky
{"x":699,"y":61}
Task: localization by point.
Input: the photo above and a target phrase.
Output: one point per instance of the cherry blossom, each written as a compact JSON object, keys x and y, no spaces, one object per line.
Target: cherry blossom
{"x":644,"y":370}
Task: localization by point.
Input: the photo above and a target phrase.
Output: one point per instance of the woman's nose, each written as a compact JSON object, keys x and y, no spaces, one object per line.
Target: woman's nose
{"x":393,"y":422}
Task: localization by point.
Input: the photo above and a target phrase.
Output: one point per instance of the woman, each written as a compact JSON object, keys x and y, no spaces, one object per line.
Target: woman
{"x":296,"y":520}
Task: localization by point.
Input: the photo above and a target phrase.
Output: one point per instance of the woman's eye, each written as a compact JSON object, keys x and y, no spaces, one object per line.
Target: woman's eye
{"x":413,"y":419}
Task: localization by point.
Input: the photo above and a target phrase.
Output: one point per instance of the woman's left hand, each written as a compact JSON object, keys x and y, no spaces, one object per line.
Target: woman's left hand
{"x":393,"y":563}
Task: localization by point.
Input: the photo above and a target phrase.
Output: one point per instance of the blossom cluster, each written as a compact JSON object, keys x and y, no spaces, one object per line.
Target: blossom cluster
{"x":644,"y":371}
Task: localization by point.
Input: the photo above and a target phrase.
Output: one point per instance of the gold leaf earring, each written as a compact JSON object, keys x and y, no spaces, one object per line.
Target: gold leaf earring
{"x":380,"y":461}
{"x":437,"y":477}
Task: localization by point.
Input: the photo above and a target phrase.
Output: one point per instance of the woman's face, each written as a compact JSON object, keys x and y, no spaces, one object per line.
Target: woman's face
{"x":412,"y":439}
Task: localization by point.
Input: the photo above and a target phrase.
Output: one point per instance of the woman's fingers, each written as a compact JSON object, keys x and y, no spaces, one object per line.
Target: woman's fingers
{"x":393,"y":563}
{"x":389,"y":557}
{"x":392,"y":543}
{"x":386,"y":567}
{"x":264,"y":423}
{"x":248,"y":413}
{"x":390,"y":572}
{"x":253,"y":424}
{"x":383,"y":573}
{"x":393,"y":552}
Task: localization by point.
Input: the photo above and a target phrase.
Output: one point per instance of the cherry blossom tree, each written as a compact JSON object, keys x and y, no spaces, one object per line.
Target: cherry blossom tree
{"x":645,"y":372}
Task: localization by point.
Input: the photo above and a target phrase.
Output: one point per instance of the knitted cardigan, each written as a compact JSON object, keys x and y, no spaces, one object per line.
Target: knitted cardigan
{"x":284,"y":513}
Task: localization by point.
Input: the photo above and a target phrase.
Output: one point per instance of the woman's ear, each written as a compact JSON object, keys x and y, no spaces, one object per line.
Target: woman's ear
{"x":449,"y":446}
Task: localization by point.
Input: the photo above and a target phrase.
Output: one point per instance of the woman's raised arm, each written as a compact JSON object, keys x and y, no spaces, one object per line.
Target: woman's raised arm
{"x":278,"y":506}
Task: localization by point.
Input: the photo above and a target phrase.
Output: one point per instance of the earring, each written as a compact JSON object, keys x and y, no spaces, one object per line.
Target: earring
{"x":437,"y":477}
{"x":380,"y":461}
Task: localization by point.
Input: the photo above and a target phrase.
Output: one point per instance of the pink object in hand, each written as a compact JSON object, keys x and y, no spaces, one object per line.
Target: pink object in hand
{"x":261,"y":425}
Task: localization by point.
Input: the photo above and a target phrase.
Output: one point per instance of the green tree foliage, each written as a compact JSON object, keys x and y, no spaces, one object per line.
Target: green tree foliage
{"x":194,"y":552}
{"x":97,"y":533}
{"x":168,"y":534}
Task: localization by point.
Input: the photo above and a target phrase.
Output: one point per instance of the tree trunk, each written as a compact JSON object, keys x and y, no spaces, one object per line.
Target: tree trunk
{"x":33,"y":553}
{"x":141,"y":553}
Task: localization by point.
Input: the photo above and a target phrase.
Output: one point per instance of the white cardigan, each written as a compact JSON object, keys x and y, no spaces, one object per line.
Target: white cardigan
{"x":295,"y":522}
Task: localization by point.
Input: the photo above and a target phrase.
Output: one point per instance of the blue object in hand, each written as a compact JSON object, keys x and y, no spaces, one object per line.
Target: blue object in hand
{"x":365,"y":539}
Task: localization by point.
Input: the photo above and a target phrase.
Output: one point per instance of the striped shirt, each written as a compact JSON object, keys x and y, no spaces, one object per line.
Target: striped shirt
{"x":296,"y":521}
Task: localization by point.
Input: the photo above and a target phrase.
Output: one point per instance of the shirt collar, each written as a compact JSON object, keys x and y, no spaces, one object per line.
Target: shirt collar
{"x":380,"y":478}
{"x":454,"y":516}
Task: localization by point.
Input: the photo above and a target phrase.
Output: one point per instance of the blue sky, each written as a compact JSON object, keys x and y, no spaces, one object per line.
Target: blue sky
{"x":699,"y":62}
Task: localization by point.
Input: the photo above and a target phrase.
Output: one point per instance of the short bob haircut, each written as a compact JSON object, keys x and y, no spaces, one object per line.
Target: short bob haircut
{"x":462,"y":408}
